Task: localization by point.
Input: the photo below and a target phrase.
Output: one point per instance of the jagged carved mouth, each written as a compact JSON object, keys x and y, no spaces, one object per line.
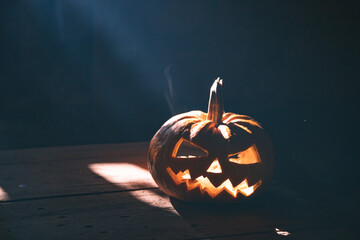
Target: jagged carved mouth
{"x":205,"y":185}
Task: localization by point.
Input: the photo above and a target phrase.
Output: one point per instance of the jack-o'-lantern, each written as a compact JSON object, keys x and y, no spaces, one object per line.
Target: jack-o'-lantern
{"x":216,"y":156}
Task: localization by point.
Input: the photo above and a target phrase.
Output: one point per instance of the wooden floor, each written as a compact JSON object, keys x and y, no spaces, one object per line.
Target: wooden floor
{"x":106,"y":192}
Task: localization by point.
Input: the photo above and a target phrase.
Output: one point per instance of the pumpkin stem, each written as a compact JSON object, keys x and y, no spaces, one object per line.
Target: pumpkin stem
{"x":216,"y":104}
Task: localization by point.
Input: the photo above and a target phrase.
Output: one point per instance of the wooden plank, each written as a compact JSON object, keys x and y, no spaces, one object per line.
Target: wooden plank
{"x":65,"y":170}
{"x":71,"y":153}
{"x":124,"y":215}
{"x":102,"y":216}
{"x":106,"y":192}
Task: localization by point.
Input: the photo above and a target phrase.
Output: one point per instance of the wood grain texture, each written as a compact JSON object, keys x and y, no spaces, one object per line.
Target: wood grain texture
{"x":83,"y":192}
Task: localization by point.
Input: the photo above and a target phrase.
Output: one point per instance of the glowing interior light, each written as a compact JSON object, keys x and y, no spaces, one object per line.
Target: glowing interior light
{"x":187,"y":149}
{"x":249,"y":156}
{"x":215,"y":167}
{"x":187,"y":156}
{"x":186,"y":175}
{"x":205,"y":185}
{"x":247,"y":191}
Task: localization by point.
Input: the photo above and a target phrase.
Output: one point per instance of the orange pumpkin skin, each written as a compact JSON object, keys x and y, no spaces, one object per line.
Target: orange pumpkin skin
{"x":221,"y":135}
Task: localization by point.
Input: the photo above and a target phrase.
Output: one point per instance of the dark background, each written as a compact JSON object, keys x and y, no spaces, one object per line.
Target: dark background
{"x":90,"y":72}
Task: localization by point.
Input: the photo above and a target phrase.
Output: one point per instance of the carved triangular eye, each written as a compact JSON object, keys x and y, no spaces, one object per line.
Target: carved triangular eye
{"x":187,"y":149}
{"x":249,"y":156}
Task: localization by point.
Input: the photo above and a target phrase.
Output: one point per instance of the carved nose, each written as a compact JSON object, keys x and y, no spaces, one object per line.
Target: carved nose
{"x":215,"y":167}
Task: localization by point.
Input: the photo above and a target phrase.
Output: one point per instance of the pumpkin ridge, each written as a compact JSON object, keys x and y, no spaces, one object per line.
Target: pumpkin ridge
{"x":237,"y":118}
{"x":197,"y":127}
{"x":243,"y":127}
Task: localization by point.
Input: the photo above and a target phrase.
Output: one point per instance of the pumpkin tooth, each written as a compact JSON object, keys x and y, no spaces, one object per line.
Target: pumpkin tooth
{"x":216,"y":179}
{"x":247,"y":190}
{"x":176,"y":177}
{"x":199,"y":171}
{"x":236,"y":181}
{"x":177,"y":168}
{"x":253,"y":179}
{"x":195,"y":174}
{"x":206,"y":185}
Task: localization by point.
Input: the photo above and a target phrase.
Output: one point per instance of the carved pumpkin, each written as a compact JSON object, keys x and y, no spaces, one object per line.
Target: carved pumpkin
{"x":215,"y":156}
